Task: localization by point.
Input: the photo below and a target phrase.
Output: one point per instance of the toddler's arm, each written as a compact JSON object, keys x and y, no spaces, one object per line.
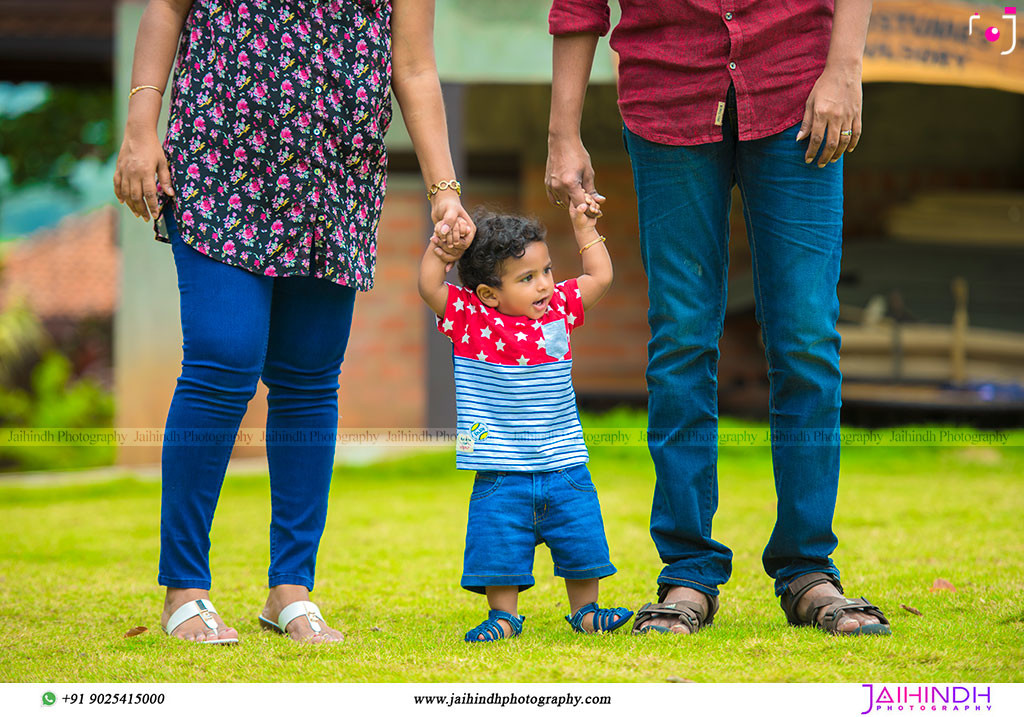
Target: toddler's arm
{"x":432,"y":286}
{"x":596,"y":278}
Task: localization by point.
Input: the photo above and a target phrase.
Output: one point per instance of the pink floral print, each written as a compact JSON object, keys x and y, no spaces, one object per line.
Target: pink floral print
{"x":275,"y":135}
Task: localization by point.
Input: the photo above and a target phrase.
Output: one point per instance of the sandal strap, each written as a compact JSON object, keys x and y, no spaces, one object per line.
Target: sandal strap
{"x":516,"y":621}
{"x":712,"y":602}
{"x":605,"y":619}
{"x":838,"y":607}
{"x":693,"y":615}
{"x":301,"y":608}
{"x":796,"y":589}
{"x":202,"y":607}
{"x":493,"y":630}
{"x":576,"y":619}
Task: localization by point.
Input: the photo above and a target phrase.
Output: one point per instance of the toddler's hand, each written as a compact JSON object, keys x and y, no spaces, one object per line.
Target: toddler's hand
{"x":448,"y":256}
{"x":581,"y":214}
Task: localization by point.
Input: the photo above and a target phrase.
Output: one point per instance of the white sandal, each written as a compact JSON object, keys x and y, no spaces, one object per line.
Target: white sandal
{"x":300,"y":608}
{"x":205,"y":610}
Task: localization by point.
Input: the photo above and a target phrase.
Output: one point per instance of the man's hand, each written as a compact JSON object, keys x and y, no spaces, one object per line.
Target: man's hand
{"x":569,"y":176}
{"x":832,"y":114}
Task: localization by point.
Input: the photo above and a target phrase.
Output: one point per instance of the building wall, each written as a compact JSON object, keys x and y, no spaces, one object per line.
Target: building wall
{"x":383,"y":377}
{"x":924,"y":137}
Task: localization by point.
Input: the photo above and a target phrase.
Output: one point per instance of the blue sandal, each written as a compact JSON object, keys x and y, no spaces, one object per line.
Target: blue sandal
{"x":605,"y":619}
{"x":491,"y":631}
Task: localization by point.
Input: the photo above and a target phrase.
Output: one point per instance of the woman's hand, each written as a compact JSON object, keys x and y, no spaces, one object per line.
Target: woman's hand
{"x":140,"y":161}
{"x":452,"y":224}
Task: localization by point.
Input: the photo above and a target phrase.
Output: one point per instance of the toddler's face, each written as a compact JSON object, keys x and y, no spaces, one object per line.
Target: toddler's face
{"x":526,"y":284}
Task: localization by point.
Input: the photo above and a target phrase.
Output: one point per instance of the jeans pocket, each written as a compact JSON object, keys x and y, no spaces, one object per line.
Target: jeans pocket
{"x":579,"y":478}
{"x":485,"y":484}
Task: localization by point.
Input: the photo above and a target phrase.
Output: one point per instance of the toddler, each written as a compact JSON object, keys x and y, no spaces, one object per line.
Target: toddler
{"x":518,"y":425}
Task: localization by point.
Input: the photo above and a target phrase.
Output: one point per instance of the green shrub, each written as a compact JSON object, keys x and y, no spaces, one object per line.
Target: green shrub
{"x":54,"y":402}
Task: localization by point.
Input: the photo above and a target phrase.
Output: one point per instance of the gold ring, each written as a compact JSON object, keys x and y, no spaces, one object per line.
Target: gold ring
{"x":846,"y":132}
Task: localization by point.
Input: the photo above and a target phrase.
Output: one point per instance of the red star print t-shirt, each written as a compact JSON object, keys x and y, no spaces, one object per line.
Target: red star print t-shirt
{"x":513,"y":383}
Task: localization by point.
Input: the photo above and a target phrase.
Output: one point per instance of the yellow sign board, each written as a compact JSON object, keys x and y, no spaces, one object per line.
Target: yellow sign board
{"x":940,"y":44}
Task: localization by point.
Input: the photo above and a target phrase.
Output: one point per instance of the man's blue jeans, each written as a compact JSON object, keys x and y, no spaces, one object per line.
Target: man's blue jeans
{"x":239,"y":327}
{"x":793,"y":214}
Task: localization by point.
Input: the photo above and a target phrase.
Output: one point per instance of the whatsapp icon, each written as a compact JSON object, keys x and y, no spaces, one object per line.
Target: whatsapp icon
{"x":49,"y":698}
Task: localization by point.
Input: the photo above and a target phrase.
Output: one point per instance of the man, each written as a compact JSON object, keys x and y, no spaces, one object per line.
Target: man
{"x":765,"y":94}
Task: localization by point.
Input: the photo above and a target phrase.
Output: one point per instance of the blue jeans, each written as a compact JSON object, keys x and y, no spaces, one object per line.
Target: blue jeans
{"x":239,"y":327}
{"x":511,"y":513}
{"x":793,"y":214}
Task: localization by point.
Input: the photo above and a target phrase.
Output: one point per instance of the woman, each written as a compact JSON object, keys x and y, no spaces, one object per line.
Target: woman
{"x":271,"y":179}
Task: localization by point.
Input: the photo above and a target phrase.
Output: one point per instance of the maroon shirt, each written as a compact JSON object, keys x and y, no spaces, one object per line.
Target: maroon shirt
{"x":677,"y":59}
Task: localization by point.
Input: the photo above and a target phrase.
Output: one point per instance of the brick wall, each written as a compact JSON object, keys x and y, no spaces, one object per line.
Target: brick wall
{"x":383,"y":379}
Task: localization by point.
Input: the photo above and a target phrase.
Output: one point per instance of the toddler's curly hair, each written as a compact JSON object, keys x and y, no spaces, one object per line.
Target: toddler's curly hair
{"x":498,"y":237}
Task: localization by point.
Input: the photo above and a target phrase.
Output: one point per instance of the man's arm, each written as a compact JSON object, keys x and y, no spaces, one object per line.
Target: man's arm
{"x":576,"y":25}
{"x":569,"y":175}
{"x":835,"y":103}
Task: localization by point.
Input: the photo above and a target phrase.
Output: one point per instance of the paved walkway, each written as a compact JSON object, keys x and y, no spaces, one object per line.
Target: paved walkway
{"x":349,"y":456}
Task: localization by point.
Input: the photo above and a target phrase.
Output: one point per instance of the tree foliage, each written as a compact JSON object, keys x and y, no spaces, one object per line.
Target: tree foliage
{"x":44,"y":143}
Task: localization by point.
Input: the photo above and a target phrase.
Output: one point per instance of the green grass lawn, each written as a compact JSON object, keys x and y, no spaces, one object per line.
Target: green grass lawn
{"x":78,"y":568}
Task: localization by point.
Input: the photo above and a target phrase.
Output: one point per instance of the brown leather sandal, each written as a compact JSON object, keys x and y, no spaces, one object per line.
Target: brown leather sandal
{"x":837,"y":607}
{"x":686,"y":612}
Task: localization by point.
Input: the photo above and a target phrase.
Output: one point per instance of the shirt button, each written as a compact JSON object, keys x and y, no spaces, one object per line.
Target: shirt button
{"x":319,"y":90}
{"x":316,"y":46}
{"x":728,"y":16}
{"x":732,"y":65}
{"x":322,"y":217}
{"x":317,"y":131}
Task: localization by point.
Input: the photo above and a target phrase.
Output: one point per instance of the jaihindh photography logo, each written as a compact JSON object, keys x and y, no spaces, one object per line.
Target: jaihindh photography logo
{"x":927,"y":698}
{"x":992,"y":34}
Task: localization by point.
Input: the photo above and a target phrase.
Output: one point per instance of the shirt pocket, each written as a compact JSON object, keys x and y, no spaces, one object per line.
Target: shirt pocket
{"x":556,"y":339}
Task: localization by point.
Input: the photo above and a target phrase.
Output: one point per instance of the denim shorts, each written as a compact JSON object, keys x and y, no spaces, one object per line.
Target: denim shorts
{"x":511,"y":513}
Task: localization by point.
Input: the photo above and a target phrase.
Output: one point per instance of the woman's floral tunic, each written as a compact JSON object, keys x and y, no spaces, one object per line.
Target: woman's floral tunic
{"x":275,"y":136}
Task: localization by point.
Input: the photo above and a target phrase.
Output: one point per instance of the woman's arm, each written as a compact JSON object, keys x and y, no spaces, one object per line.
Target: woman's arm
{"x":418,"y":89}
{"x":141,"y":158}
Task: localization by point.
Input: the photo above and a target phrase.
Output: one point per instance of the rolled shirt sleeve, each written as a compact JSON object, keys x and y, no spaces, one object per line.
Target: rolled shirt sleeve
{"x":567,"y":16}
